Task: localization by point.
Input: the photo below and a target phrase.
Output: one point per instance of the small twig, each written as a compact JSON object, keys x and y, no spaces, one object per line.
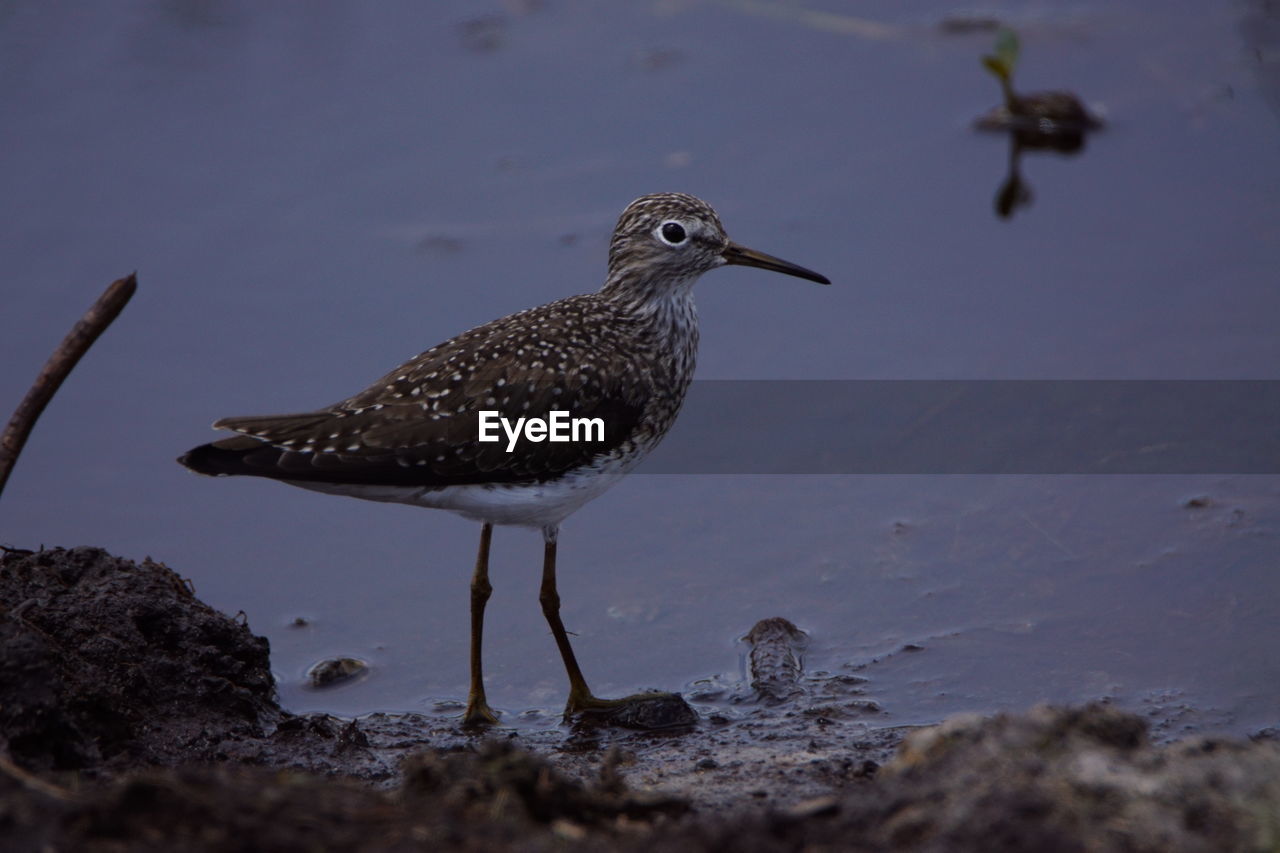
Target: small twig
{"x":64,"y":358}
{"x":33,"y":781}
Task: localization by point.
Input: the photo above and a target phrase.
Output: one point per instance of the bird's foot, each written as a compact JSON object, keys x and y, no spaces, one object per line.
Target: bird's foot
{"x":648,"y":711}
{"x":479,"y":715}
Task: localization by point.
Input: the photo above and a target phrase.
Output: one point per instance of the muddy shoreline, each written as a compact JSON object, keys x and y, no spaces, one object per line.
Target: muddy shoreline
{"x":133,"y":716}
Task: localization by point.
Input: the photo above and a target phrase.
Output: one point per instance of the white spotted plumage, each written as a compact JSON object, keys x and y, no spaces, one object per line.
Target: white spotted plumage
{"x":625,"y":353}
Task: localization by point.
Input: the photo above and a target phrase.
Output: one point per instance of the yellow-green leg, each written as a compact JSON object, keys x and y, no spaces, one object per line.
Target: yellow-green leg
{"x":670,"y":708}
{"x":478,"y":711}
{"x":579,"y":694}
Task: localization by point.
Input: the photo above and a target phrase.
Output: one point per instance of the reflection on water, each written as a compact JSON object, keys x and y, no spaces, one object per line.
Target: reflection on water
{"x":308,"y":198}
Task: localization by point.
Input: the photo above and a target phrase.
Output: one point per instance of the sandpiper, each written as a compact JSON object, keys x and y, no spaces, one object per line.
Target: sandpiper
{"x":623,"y":356}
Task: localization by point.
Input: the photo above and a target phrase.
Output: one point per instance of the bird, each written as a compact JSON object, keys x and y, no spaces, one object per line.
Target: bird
{"x":620,"y":360}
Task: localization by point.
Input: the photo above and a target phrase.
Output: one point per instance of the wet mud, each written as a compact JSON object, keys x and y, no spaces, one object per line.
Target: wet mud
{"x":134,"y":717}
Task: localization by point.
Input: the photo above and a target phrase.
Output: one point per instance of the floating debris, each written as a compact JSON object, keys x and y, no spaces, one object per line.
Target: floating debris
{"x":1055,"y":119}
{"x":440,"y":244}
{"x":483,"y":34}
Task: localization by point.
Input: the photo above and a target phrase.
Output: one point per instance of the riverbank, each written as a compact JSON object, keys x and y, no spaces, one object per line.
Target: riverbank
{"x":133,"y":716}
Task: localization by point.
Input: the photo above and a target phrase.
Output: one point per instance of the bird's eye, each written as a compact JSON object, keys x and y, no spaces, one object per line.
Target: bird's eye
{"x":672,"y":233}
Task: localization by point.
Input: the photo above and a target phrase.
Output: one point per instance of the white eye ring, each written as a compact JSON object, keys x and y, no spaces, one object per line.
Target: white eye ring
{"x":672,"y":233}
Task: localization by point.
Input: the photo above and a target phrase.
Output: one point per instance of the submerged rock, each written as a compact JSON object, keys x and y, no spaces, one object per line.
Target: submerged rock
{"x":331,"y":672}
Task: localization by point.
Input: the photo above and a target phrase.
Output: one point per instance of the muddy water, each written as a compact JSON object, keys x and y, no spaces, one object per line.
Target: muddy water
{"x":309,"y":199}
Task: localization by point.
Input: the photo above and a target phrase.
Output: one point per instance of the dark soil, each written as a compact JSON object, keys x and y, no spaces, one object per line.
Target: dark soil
{"x":134,"y":717}
{"x":112,"y":665}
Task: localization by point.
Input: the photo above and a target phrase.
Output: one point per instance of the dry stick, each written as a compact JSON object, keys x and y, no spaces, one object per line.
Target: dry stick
{"x":33,"y":781}
{"x":64,"y":358}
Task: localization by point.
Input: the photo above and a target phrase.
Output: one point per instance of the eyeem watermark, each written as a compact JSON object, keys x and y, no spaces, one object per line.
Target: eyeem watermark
{"x":921,"y":426}
{"x":558,"y":426}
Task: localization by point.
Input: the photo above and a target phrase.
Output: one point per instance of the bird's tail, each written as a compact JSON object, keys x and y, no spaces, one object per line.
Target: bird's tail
{"x":222,"y":458}
{"x":252,"y":453}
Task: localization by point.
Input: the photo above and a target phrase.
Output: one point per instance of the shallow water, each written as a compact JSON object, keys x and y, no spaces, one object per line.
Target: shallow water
{"x":311,"y":197}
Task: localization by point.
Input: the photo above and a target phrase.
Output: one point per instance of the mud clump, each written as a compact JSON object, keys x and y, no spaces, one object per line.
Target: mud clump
{"x":496,"y":799}
{"x":472,"y":783}
{"x":110,"y":664}
{"x":1082,"y":779}
{"x":1077,"y":779}
{"x":776,"y":647}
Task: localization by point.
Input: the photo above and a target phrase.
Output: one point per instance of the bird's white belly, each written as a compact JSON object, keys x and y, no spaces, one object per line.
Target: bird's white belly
{"x":524,"y":504}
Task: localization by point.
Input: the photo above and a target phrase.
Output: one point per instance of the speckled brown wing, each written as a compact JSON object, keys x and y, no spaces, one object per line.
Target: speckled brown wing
{"x":419,"y":424}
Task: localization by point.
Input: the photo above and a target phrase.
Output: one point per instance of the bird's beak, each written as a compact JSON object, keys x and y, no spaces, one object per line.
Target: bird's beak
{"x":742,"y":256}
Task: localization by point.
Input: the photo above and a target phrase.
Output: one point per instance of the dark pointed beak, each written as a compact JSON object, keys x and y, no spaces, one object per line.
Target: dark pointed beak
{"x":744,"y":257}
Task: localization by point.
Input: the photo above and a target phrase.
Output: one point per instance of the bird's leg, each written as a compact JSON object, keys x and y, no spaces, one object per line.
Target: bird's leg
{"x":579,"y":694}
{"x":668,"y":709}
{"x":478,"y":711}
